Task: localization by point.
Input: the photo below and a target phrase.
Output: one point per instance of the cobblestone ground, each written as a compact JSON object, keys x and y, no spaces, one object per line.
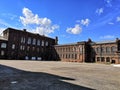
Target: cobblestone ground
{"x":50,"y":75}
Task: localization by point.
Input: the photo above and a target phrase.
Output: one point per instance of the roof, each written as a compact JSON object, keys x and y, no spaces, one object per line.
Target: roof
{"x":105,"y":42}
{"x":2,"y":38}
{"x":24,"y":30}
{"x":82,"y":42}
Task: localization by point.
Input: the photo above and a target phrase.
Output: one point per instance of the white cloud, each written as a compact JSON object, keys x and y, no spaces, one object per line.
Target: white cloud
{"x":107,"y":37}
{"x":85,"y":22}
{"x":75,"y":30}
{"x":111,"y":23}
{"x":99,"y":11}
{"x":44,"y":25}
{"x":108,"y":3}
{"x":118,"y":19}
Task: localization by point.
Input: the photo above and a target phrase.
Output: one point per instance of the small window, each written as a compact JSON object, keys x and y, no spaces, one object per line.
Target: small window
{"x":22,"y":39}
{"x":2,"y":53}
{"x":108,"y":50}
{"x":38,"y":42}
{"x":21,"y":47}
{"x":34,"y":41}
{"x":42,"y":43}
{"x":29,"y":41}
{"x":46,"y":43}
{"x":13,"y":46}
{"x":113,"y":49}
{"x":3,"y":45}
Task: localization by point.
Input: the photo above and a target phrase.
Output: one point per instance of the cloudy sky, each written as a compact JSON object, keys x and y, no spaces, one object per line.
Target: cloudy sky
{"x":70,"y":20}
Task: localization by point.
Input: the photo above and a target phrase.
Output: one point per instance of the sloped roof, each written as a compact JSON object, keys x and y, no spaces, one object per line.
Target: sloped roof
{"x":104,"y":42}
{"x":71,"y":43}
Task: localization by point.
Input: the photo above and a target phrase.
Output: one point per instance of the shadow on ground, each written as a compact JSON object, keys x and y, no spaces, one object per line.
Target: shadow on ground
{"x":15,"y":79}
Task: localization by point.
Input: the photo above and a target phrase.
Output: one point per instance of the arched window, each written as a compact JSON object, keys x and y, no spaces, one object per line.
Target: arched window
{"x":108,"y":50}
{"x":38,"y":42}
{"x":113,"y":49}
{"x":103,"y":50}
{"x":42,"y":43}
{"x":29,"y":40}
{"x":34,"y":41}
{"x":98,"y":49}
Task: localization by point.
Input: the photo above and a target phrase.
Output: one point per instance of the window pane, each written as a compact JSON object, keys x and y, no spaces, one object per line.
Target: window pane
{"x":29,"y":41}
{"x":13,"y":46}
{"x":2,"y":53}
{"x":3,"y":45}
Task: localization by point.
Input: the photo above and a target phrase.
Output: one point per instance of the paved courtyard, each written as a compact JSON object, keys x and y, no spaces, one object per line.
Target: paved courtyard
{"x":50,"y":75}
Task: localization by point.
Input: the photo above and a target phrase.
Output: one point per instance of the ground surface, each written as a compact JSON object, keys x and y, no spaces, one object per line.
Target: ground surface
{"x":41,"y":75}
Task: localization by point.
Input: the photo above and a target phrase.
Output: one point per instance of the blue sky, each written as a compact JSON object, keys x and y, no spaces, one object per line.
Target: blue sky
{"x":70,"y":20}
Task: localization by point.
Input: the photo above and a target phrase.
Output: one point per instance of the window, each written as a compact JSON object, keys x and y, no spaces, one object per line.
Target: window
{"x":98,"y":49}
{"x":103,"y":50}
{"x":34,"y":41}
{"x":80,"y":49}
{"x":28,"y":48}
{"x":98,"y":59}
{"x":75,"y":56}
{"x":113,"y":49}
{"x":46,"y":43}
{"x":13,"y":46}
{"x":22,"y":47}
{"x":3,"y":45}
{"x":2,"y":53}
{"x":38,"y":49}
{"x":22,"y":39}
{"x":107,"y":49}
{"x":38,"y":42}
{"x":33,"y":48}
{"x":29,"y":41}
{"x":42,"y":43}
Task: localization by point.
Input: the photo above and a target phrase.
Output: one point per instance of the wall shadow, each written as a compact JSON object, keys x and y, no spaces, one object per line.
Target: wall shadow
{"x":15,"y":79}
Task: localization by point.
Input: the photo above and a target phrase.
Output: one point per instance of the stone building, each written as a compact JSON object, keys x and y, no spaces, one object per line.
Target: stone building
{"x":75,"y":52}
{"x":106,"y":52}
{"x":20,"y":44}
{"x":89,"y":51}
{"x":3,"y":48}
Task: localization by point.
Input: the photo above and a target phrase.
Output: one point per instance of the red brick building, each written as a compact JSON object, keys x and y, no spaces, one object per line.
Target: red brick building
{"x":107,"y":52}
{"x":21,"y":44}
{"x":88,"y":51}
{"x":75,"y":52}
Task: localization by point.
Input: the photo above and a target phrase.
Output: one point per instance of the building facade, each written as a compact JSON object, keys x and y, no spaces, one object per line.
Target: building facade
{"x":75,"y":52}
{"x":89,"y":51}
{"x":107,"y":52}
{"x":20,"y":44}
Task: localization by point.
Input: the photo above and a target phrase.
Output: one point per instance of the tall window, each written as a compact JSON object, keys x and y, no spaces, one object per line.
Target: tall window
{"x":107,"y":49}
{"x":22,"y":39}
{"x":13,"y":46}
{"x":46,"y":43}
{"x":2,"y":53}
{"x":3,"y":45}
{"x":42,"y":43}
{"x":29,"y":41}
{"x":38,"y":42}
{"x":113,"y":49}
{"x":98,"y":49}
{"x":103,"y":50}
{"x":34,"y":41}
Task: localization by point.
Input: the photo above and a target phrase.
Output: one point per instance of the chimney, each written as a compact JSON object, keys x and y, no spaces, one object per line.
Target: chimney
{"x":56,"y":40}
{"x":24,"y":30}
